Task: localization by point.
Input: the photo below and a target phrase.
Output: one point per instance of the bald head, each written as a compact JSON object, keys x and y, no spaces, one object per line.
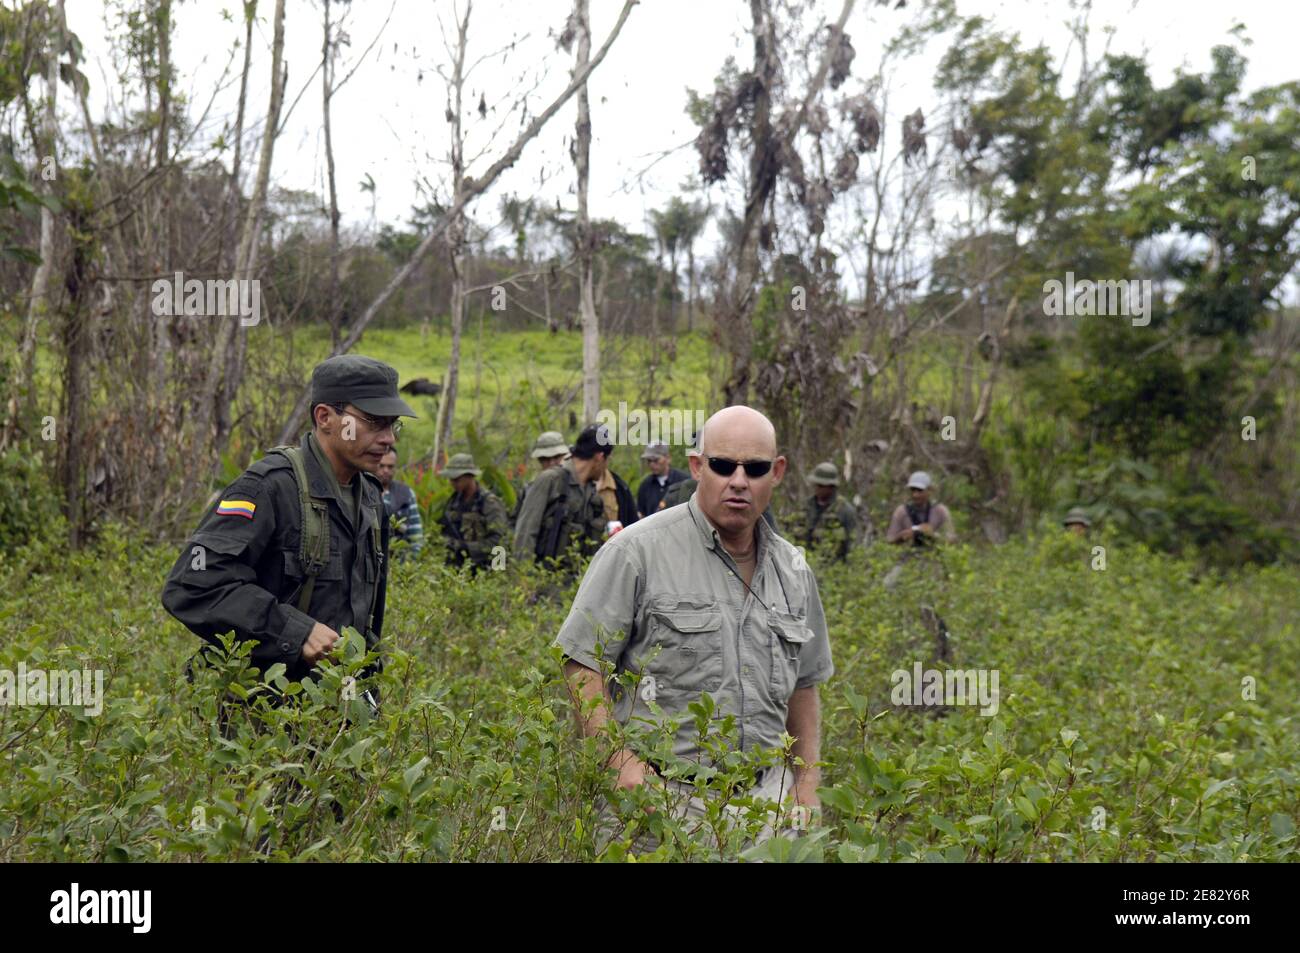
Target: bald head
{"x":734,"y":502}
{"x":739,"y":423}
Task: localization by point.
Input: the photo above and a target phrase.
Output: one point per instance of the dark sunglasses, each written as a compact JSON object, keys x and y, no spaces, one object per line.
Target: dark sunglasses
{"x":753,"y":468}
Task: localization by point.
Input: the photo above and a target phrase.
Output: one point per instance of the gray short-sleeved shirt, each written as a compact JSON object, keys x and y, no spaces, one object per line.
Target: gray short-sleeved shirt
{"x":664,"y":599}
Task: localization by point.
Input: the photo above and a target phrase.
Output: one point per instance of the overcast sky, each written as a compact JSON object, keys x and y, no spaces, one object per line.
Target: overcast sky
{"x":388,"y":120}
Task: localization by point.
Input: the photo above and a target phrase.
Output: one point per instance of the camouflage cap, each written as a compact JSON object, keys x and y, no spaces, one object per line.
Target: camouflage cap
{"x":459,"y":465}
{"x":367,"y":384}
{"x":1076,"y":515}
{"x":825,"y":474}
{"x":550,"y":444}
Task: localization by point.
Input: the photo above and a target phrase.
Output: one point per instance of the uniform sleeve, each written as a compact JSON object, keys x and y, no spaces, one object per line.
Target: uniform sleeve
{"x":444,"y":523}
{"x":213,"y":587}
{"x":897,"y":524}
{"x":381,"y":597}
{"x":815,"y":663}
{"x":498,"y":523}
{"x":496,"y":528}
{"x":604,"y":609}
{"x":848,"y":527}
{"x":529,"y":523}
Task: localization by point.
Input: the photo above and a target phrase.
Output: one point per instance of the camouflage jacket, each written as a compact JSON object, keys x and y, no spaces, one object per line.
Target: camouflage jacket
{"x":473,"y":529}
{"x":836,"y":522}
{"x":558,"y":508}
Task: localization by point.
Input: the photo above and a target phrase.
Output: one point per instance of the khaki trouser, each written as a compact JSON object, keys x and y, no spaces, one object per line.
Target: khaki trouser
{"x":774,"y":784}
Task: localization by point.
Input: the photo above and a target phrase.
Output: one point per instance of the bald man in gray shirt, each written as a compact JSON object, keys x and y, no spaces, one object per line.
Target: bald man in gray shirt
{"x":706,"y":598}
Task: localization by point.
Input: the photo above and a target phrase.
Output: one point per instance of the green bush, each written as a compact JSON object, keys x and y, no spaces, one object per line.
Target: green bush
{"x":29,"y":501}
{"x":1120,"y":690}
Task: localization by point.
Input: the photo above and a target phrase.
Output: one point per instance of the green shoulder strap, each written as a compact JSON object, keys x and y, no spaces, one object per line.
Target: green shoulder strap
{"x":314,"y":549}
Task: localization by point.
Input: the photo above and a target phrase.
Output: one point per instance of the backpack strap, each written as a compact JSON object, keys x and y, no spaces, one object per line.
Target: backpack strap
{"x":377,"y":528}
{"x":314,"y":547}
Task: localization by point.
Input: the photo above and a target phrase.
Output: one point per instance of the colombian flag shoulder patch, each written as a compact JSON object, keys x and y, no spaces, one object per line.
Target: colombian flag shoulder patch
{"x":236,"y":508}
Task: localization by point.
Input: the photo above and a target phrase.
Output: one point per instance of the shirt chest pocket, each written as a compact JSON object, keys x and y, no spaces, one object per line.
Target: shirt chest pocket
{"x":332,"y":571}
{"x":684,"y":647}
{"x":789,"y":634}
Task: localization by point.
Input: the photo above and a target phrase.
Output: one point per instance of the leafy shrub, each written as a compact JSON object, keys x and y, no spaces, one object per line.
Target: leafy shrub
{"x":29,"y":501}
{"x":1120,"y":690}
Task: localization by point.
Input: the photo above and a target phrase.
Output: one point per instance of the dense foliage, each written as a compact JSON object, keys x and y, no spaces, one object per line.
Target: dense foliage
{"x":1124,"y":729}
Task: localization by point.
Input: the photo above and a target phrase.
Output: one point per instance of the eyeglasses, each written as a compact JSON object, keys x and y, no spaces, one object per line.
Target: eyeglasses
{"x":753,"y":468}
{"x":374,"y":424}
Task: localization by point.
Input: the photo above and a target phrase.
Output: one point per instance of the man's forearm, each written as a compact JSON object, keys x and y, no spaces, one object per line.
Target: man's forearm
{"x":585,"y":688}
{"x":803,"y":721}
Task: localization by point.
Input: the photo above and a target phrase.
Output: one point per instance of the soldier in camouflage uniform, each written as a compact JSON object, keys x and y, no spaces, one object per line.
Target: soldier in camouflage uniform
{"x":1076,"y":521}
{"x":827,"y":516}
{"x":474,"y":520}
{"x":549,"y":450}
{"x":563,"y":518}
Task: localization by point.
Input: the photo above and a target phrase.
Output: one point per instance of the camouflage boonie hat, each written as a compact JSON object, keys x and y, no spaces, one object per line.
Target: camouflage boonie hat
{"x":550,"y":444}
{"x":825,"y":474}
{"x":459,"y":465}
{"x":1076,"y":515}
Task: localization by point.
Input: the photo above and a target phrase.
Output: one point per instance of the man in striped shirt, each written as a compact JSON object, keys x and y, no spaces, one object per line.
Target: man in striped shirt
{"x":401,"y":509}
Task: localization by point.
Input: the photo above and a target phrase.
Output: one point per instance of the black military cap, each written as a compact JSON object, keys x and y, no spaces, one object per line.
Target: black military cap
{"x":594,"y":439}
{"x":367,"y":384}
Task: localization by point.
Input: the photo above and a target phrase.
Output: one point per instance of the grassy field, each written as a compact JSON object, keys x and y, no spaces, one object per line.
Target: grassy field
{"x":1144,"y":713}
{"x":505,"y":375}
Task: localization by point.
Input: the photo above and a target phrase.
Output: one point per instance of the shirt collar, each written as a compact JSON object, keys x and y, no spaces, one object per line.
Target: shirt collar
{"x":606,"y":481}
{"x":320,"y":473}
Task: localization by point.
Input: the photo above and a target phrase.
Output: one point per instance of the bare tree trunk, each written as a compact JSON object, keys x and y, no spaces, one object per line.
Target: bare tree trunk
{"x":586,"y":243}
{"x":162,"y":159}
{"x":471,"y":190}
{"x":76,"y":348}
{"x":455,"y":236}
{"x":546,"y":298}
{"x":764,"y":168}
{"x":38,"y":305}
{"x":453,"y":363}
{"x":327,"y":90}
{"x":652,"y":362}
{"x":672,"y":290}
{"x":231,"y":211}
{"x":690,"y":288}
{"x":220,"y":368}
{"x":238,"y":343}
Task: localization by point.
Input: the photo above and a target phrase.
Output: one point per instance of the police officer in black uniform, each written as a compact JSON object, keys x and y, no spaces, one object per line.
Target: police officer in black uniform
{"x":289,"y":571}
